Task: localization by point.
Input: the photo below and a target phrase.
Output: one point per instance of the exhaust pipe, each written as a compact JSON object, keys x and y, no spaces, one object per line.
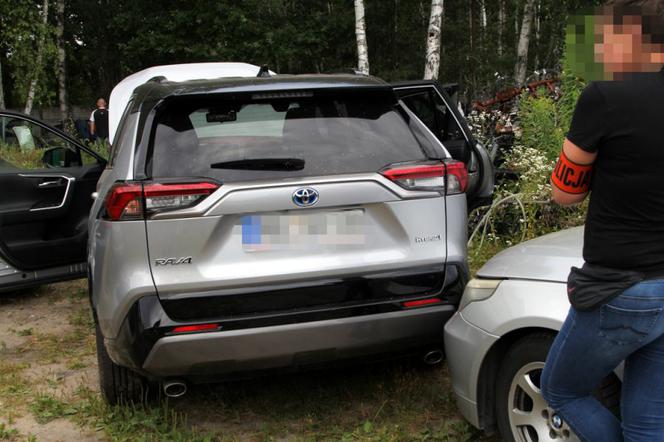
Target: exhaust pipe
{"x":433,"y":357}
{"x":175,"y":388}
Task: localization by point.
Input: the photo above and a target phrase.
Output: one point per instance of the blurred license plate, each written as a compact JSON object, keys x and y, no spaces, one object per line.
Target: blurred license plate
{"x":303,"y":231}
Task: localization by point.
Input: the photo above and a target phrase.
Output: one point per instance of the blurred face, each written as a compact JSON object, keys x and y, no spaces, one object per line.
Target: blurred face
{"x":621,"y":48}
{"x":101,"y":103}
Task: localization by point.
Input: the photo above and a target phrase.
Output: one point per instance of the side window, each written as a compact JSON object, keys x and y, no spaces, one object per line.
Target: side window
{"x":28,"y":146}
{"x":124,"y":130}
{"x":431,"y":109}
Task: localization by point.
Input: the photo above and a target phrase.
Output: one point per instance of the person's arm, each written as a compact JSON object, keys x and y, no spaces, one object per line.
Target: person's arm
{"x":91,"y":123}
{"x":571,"y":178}
{"x":570,"y":184}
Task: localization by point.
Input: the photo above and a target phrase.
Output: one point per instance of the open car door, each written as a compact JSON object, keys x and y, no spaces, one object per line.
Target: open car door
{"x":46,"y":182}
{"x":432,"y":104}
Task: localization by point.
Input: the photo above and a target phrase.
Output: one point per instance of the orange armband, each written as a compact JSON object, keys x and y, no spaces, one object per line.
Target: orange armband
{"x":571,"y":177}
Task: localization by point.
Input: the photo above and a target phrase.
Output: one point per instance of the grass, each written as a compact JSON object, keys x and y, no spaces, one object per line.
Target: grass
{"x":45,"y":408}
{"x":385,"y":401}
{"x":7,"y":433}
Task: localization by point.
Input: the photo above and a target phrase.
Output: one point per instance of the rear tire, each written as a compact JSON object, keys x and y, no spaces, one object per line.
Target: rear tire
{"x":118,"y":384}
{"x":521,"y":411}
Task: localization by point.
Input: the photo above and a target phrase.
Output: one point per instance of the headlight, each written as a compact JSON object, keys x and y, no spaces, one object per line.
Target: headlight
{"x":478,"y":290}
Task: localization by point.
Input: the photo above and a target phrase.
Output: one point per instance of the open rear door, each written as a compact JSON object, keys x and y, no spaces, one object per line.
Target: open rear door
{"x":438,"y":111}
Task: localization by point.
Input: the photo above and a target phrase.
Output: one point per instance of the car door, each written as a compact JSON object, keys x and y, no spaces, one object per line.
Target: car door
{"x":433,"y":105}
{"x":46,"y":183}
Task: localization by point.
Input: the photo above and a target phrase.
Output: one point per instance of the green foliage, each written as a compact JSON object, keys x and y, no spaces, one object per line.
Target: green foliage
{"x":21,"y":158}
{"x":108,"y":40}
{"x":46,"y":408}
{"x":24,"y":38}
{"x":7,"y":433}
{"x":523,"y":207}
{"x":134,"y":422}
{"x":101,"y":148}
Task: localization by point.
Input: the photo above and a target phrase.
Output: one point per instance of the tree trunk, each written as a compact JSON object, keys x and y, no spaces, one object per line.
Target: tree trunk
{"x":361,"y":36}
{"x":62,"y":68}
{"x":501,"y":25}
{"x":482,"y":15}
{"x":432,"y":64}
{"x":538,"y":26}
{"x":2,"y":89}
{"x":38,"y":62}
{"x":521,"y":65}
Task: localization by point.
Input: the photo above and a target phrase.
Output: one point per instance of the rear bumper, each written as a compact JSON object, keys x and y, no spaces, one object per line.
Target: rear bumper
{"x":293,"y":345}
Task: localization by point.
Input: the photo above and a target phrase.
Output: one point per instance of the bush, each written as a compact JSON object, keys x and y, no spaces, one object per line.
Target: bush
{"x":523,"y":208}
{"x":21,"y":158}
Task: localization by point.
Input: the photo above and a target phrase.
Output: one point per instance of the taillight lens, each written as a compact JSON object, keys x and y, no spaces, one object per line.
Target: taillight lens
{"x":421,"y":302}
{"x":127,"y":201}
{"x":124,"y":201}
{"x":195,"y":328}
{"x":450,"y":176}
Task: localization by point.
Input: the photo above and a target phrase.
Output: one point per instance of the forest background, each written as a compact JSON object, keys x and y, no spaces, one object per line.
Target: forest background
{"x":64,"y":52}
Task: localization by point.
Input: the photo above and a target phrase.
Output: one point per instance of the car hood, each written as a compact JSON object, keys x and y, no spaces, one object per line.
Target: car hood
{"x":547,"y":258}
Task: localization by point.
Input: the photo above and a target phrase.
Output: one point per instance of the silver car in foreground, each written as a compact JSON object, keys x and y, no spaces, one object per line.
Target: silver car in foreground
{"x":497,"y":342}
{"x":263,"y":222}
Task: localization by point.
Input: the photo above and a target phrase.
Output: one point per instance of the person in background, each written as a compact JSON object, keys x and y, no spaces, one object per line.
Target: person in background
{"x":99,"y":121}
{"x":614,"y":152}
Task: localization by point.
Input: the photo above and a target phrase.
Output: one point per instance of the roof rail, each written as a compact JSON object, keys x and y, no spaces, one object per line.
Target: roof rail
{"x":347,"y":71}
{"x":264,"y":72}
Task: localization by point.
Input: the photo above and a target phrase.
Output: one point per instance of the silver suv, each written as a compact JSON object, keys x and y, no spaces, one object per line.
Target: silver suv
{"x":245,"y":224}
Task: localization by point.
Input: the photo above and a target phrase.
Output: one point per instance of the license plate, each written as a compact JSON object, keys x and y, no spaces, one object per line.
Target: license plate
{"x":303,"y":231}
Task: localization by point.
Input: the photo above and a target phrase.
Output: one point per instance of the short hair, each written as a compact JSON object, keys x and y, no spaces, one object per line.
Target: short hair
{"x":650,"y":11}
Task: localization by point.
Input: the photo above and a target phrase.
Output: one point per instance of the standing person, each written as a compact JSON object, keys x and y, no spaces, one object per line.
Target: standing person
{"x":617,"y":296}
{"x":99,"y":121}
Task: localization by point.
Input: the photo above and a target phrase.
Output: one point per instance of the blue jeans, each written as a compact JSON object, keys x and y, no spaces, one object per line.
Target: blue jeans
{"x":590,"y":345}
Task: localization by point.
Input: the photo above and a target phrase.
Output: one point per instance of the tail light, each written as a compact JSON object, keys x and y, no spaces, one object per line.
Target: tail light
{"x":127,"y":201}
{"x":450,"y":176}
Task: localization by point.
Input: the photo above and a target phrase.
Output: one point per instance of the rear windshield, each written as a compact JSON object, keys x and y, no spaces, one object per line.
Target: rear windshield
{"x":270,"y":136}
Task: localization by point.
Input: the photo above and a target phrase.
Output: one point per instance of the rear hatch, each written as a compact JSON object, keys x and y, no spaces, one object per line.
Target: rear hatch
{"x":278,"y":202}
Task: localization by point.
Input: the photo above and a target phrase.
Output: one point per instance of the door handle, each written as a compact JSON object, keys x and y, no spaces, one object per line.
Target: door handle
{"x":49,"y":184}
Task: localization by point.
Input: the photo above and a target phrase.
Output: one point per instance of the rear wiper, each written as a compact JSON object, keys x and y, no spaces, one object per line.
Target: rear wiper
{"x":285,"y":164}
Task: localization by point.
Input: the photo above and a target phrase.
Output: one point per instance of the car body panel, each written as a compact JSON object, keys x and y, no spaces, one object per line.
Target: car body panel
{"x":220,"y":260}
{"x":518,"y":304}
{"x":119,"y":271}
{"x":547,"y":258}
{"x":467,"y":344}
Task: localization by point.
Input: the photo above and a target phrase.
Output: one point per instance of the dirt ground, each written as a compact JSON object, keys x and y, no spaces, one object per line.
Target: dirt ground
{"x":49,"y":391}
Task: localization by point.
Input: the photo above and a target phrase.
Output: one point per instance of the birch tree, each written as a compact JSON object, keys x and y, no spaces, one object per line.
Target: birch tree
{"x":524,"y":40}
{"x":62,"y":69}
{"x":32,"y":91}
{"x":2,"y":89}
{"x":501,"y":25}
{"x":361,"y":36}
{"x":432,"y":63}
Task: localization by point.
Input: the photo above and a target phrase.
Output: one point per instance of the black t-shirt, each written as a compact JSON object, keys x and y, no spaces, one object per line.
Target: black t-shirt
{"x":100,"y":117}
{"x":623,"y":121}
